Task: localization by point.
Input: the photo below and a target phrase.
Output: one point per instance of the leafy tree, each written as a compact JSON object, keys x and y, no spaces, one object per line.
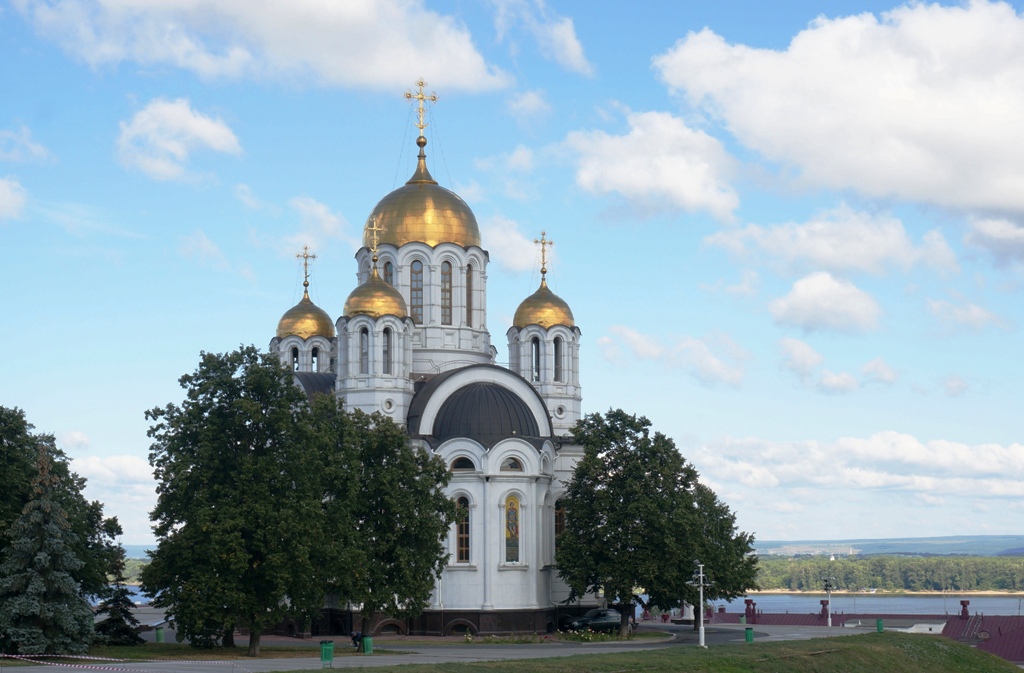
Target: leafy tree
{"x":636,"y":516}
{"x":397,"y":511}
{"x":94,"y":540}
{"x":42,"y":610}
{"x":120,"y":626}
{"x":238,"y":509}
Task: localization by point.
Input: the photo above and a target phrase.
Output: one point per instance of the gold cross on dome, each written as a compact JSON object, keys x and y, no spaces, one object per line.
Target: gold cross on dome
{"x":376,"y":229}
{"x":305,"y":257}
{"x":421,"y":98}
{"x":544,"y":243}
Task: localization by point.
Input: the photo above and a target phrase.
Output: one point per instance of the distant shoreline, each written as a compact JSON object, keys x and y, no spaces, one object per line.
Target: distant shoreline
{"x":890,"y":593}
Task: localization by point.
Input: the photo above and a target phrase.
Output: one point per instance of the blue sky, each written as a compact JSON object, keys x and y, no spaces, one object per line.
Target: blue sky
{"x":791,"y":233}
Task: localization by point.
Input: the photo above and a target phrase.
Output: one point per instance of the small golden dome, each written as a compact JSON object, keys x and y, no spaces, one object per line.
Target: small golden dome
{"x":305,"y":320}
{"x":544,"y":308}
{"x":375,"y":298}
{"x":421,"y":210}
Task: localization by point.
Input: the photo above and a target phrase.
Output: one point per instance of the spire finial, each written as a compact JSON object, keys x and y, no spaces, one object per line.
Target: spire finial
{"x":544,"y":243}
{"x":420,"y":97}
{"x":305,"y":257}
{"x":375,"y":229}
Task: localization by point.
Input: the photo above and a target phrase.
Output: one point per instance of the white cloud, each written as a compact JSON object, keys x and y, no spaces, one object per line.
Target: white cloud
{"x":317,"y":224}
{"x":878,"y":371}
{"x":160,"y":138}
{"x":921,"y":103}
{"x":713,"y":360}
{"x":199,"y":246}
{"x":528,"y":104}
{"x":125,"y":486}
{"x":555,"y":35}
{"x":12,"y":198}
{"x":800,"y":358}
{"x":512,"y":250}
{"x":822,"y":302}
{"x":841,"y":382}
{"x":354,"y":44}
{"x":962,"y":316}
{"x":840,"y":240}
{"x":18,"y":146}
{"x":660,"y":164}
{"x":954,"y":386}
{"x":509,"y":170}
{"x":1003,"y":239}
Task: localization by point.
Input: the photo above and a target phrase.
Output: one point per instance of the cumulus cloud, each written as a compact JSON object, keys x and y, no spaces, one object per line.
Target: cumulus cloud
{"x":12,"y":198}
{"x":513,"y":250}
{"x":715,"y":359}
{"x":837,"y":382}
{"x":352,"y":44}
{"x":160,"y":138}
{"x":962,"y":316}
{"x":919,"y":103}
{"x":125,"y":486}
{"x":1001,"y":238}
{"x":555,"y":35}
{"x":822,"y":302}
{"x":800,"y":358}
{"x":509,"y":170}
{"x":878,"y":371}
{"x":318,"y":224}
{"x":19,"y":146}
{"x":661,"y":164}
{"x":528,"y":105}
{"x":954,"y":386}
{"x":198,"y":246}
{"x":840,"y":240}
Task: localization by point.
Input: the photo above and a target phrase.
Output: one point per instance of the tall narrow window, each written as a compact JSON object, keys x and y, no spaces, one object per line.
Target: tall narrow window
{"x":446,"y":293}
{"x":295,"y":359}
{"x":558,"y":358}
{"x":389,"y":273}
{"x":364,"y":351}
{"x":559,"y":521}
{"x":462,"y":530}
{"x":386,"y":350}
{"x":469,"y":295}
{"x":416,"y":291}
{"x":535,"y":359}
{"x":512,"y":529}
{"x":513,"y":356}
{"x":316,"y":359}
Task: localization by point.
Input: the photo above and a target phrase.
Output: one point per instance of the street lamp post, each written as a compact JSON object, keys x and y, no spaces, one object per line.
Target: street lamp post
{"x":830,"y":585}
{"x":698,"y":580}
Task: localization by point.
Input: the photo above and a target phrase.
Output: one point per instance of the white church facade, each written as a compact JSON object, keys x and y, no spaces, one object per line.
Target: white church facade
{"x":412,"y":343}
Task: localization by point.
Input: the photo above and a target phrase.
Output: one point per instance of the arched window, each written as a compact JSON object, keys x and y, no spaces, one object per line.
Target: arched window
{"x":364,"y":351}
{"x":386,"y":350}
{"x":389,"y":273}
{"x":511,"y":464}
{"x":535,"y":359}
{"x":462,"y":530}
{"x":446,"y":293}
{"x":295,"y":359}
{"x":316,"y":359}
{"x":416,"y":291}
{"x":559,"y":521}
{"x":512,"y":529}
{"x":558,"y":358}
{"x":463,"y":463}
{"x":469,"y":295}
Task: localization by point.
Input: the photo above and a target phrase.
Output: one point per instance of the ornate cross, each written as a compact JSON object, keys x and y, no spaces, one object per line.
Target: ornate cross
{"x":421,"y":97}
{"x":376,"y":229}
{"x":543,"y":243}
{"x":305,"y":257}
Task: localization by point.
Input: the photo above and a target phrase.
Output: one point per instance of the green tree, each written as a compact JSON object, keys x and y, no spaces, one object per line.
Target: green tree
{"x":636,"y":517}
{"x":119,"y":627}
{"x":42,"y":610}
{"x":238,"y":500}
{"x":94,"y":535}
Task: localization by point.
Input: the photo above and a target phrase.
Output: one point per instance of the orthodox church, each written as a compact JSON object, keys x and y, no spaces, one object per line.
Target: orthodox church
{"x":412,"y":343}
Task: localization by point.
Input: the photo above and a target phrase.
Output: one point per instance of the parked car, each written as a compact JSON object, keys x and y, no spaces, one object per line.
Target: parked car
{"x":598,"y":619}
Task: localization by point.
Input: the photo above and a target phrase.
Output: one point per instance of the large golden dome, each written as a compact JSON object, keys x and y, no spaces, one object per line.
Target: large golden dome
{"x":544,"y":308}
{"x":375,"y":298}
{"x":421,"y":210}
{"x":305,"y":320}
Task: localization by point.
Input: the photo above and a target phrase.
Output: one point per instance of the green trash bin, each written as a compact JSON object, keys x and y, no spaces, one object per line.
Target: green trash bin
{"x":159,"y":634}
{"x":367,"y":644}
{"x":326,"y":654}
{"x":743,"y":619}
{"x":748,"y":636}
{"x":879,"y":625}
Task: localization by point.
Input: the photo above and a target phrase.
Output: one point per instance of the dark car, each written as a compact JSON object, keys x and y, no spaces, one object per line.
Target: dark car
{"x":598,"y":619}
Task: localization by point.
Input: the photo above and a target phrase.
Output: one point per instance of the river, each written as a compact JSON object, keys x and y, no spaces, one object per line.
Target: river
{"x":885,"y":604}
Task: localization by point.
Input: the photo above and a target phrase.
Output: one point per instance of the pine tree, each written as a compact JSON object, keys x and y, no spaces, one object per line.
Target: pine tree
{"x":120,"y":626}
{"x":42,"y":609}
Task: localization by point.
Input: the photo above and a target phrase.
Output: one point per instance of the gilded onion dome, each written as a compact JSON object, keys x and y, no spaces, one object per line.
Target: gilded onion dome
{"x":544,"y":308}
{"x":305,"y":320}
{"x":421,"y":210}
{"x":375,"y":298}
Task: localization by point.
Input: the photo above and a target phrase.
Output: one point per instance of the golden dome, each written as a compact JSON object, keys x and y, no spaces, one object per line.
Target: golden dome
{"x":375,"y":298}
{"x":421,"y":210}
{"x":305,"y":320}
{"x":544,"y":308}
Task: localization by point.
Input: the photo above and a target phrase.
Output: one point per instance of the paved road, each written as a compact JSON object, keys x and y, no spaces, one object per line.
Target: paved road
{"x":419,"y":653}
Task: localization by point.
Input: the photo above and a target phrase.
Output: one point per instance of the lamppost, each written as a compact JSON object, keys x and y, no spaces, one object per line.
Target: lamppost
{"x":699,"y":581}
{"x":830,"y":585}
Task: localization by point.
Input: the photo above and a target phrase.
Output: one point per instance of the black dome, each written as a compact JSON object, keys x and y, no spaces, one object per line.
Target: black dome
{"x":486,"y":412}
